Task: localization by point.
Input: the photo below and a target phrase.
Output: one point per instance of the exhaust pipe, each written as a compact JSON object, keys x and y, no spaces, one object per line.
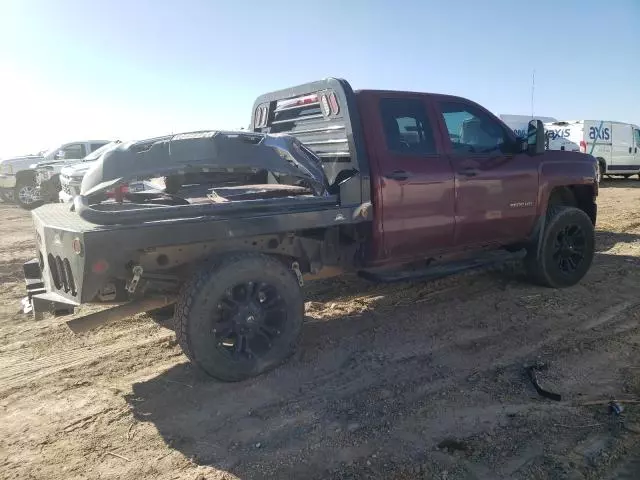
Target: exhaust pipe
{"x":86,"y":323}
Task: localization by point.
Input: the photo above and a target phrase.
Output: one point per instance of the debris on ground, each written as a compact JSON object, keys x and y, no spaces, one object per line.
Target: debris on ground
{"x":531,"y":371}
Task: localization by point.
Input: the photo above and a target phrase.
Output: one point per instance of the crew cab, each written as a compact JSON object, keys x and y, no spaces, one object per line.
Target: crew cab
{"x":391,"y":185}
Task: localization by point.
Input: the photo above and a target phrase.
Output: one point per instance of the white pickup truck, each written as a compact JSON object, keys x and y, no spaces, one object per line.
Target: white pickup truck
{"x":8,"y":169}
{"x":71,"y":173}
{"x":19,"y":177}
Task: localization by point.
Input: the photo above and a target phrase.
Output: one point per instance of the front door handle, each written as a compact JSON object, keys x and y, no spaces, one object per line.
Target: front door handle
{"x":399,"y":175}
{"x":468,"y":172}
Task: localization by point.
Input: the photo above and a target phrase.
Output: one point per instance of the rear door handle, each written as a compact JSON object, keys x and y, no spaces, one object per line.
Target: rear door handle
{"x":630,"y":149}
{"x":468,"y":172}
{"x":398,"y":175}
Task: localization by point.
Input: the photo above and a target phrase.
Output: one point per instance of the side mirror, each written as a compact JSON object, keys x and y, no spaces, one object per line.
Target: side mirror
{"x":59,"y":155}
{"x":535,"y":137}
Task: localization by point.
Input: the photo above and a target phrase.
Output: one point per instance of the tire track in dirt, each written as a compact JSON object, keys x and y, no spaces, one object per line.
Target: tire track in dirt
{"x":373,"y":388}
{"x":30,"y":371}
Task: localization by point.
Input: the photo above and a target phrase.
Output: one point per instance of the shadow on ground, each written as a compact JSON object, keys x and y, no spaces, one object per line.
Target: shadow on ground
{"x":334,"y":403}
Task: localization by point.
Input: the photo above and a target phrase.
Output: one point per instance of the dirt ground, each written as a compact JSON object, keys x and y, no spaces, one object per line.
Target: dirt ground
{"x":404,"y":381}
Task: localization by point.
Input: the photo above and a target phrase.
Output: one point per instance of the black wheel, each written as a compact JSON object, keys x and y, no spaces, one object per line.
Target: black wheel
{"x":26,"y":195}
{"x":239,"y":317}
{"x":567,"y":248}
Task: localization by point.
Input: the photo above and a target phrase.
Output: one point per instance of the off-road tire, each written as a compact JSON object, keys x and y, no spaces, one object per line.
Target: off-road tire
{"x":543,"y":268}
{"x":199,"y":297}
{"x":19,"y":200}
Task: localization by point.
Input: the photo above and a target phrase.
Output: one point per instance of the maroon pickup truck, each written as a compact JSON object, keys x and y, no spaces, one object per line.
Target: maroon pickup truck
{"x":391,"y":185}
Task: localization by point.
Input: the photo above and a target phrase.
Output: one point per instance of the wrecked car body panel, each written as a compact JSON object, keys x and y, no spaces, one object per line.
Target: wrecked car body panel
{"x":201,"y":151}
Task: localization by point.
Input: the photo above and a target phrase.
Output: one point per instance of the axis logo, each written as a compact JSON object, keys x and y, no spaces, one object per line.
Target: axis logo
{"x":599,"y":133}
{"x":558,"y":133}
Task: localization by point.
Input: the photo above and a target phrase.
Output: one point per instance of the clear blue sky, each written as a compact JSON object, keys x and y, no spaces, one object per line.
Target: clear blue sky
{"x":130,"y":69}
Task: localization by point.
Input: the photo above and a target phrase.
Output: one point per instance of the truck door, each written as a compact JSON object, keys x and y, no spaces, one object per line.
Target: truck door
{"x":622,"y":156}
{"x":496,"y":183}
{"x":412,"y":182}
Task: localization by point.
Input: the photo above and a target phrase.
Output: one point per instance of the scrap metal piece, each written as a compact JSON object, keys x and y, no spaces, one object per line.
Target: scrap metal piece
{"x":196,"y":152}
{"x":615,"y":408}
{"x":531,"y":371}
{"x":86,"y":323}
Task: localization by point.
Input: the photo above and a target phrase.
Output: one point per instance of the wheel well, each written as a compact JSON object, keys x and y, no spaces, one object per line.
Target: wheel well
{"x":562,"y":196}
{"x":25,"y":175}
{"x":602,"y":163}
{"x":580,"y":196}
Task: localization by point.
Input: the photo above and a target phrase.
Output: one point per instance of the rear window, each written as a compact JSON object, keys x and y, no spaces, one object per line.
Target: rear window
{"x":406,"y":126}
{"x":105,"y":148}
{"x":95,"y":146}
{"x":74,"y":151}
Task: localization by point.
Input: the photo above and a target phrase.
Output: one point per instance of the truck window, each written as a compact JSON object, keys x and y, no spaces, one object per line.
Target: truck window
{"x":74,"y":151}
{"x":636,"y":134}
{"x":472,"y":131}
{"x":406,"y":126}
{"x":95,"y":146}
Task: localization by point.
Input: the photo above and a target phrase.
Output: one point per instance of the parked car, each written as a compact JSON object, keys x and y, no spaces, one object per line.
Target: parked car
{"x":391,"y":185}
{"x":615,"y":145}
{"x":46,"y":172}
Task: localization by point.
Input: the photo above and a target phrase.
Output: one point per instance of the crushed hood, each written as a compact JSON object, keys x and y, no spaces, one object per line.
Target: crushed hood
{"x":204,"y":151}
{"x":13,"y":160}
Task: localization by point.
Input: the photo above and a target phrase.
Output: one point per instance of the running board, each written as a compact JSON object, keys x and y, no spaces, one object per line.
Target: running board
{"x":439,"y":271}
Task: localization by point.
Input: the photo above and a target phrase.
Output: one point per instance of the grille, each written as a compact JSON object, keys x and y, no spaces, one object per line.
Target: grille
{"x":61,"y":274}
{"x":68,"y":189}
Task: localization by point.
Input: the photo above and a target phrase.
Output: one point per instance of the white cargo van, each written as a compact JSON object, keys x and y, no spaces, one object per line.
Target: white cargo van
{"x":520,"y":123}
{"x":616,"y":145}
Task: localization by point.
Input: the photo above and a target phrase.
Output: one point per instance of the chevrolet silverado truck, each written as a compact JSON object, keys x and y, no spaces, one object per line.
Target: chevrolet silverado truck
{"x":22,"y":179}
{"x":390,"y":185}
{"x":9,"y":168}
